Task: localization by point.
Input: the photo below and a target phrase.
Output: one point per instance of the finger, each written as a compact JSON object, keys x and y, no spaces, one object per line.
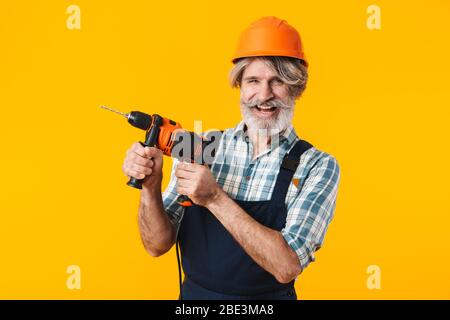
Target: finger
{"x":138,"y":149}
{"x":134,"y":174}
{"x":181,"y":173}
{"x":186,"y":166}
{"x":182,"y":190}
{"x":183,"y":183}
{"x":195,"y":166}
{"x":141,"y":169}
{"x":145,"y":162}
{"x":151,"y":152}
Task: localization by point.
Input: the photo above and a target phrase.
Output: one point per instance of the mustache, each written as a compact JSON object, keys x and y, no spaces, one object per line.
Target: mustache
{"x":269,"y":103}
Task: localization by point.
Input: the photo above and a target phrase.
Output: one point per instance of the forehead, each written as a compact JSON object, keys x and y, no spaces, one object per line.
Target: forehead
{"x":257,"y":68}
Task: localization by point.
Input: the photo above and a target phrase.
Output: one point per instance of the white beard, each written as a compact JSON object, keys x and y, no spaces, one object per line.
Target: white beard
{"x":275,"y":124}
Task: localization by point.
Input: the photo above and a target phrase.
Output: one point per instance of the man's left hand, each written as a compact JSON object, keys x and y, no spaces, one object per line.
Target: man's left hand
{"x":197,"y":182}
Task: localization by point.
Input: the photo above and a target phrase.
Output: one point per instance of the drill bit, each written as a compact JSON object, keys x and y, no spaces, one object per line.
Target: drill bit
{"x":126,"y":115}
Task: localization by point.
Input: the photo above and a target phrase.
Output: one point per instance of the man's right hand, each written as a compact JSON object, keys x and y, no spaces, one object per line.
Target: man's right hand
{"x":144,"y":162}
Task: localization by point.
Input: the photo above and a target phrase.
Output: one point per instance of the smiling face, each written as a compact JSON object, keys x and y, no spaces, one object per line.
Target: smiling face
{"x":266,"y":102}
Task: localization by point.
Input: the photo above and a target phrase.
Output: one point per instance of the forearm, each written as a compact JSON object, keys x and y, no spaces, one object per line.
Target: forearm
{"x":267,"y":247}
{"x":156,"y":230}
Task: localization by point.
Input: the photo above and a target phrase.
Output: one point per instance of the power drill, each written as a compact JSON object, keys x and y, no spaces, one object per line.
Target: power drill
{"x":168,"y":136}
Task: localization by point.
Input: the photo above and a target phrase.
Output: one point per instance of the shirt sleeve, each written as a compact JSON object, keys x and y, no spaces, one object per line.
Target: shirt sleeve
{"x":170,"y":196}
{"x":311,"y":211}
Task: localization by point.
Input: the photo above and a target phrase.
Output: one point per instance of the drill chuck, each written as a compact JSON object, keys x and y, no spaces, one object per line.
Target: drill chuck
{"x":139,"y":120}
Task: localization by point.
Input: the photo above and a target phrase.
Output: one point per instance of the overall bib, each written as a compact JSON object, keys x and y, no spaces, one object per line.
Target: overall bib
{"x":216,"y":266}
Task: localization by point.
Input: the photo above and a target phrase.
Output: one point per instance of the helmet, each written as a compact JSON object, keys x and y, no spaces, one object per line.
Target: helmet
{"x":270,"y":36}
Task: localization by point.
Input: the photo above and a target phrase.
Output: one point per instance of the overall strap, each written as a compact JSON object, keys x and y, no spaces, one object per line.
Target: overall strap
{"x":287,"y":170}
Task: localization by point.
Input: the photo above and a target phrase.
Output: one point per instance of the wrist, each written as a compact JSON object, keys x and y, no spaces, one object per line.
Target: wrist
{"x":150,"y":192}
{"x":218,"y":200}
{"x":152,"y":182}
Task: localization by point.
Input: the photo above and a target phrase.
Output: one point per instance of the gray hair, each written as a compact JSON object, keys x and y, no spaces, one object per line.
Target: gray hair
{"x":291,"y":71}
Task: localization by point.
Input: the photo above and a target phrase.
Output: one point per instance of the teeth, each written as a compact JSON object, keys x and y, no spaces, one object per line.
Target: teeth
{"x":262,"y":108}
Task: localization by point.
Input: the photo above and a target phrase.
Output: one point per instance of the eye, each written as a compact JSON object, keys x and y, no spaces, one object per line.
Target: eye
{"x":277,"y":81}
{"x":253,"y":81}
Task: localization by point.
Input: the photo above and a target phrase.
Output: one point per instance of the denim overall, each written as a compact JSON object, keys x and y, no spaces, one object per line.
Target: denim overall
{"x":216,"y":266}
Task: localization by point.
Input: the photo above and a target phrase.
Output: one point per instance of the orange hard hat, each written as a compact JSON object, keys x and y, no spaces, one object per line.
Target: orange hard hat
{"x":270,"y":36}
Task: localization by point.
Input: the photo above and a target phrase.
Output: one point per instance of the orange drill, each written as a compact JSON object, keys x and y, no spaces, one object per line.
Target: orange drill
{"x":164,"y":134}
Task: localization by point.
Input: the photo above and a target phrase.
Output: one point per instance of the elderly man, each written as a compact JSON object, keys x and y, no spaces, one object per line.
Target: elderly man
{"x":262,"y":208}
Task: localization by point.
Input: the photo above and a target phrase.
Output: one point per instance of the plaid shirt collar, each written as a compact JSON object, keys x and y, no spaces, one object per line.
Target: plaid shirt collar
{"x":289,"y":135}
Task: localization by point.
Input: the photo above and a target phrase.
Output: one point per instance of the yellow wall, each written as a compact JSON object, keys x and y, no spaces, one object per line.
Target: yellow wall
{"x":378,"y":100}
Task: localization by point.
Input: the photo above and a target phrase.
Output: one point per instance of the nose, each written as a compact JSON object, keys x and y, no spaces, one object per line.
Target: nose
{"x":265,"y":92}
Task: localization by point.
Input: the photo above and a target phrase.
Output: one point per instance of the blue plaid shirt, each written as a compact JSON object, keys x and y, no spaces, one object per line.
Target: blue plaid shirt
{"x":310,"y":204}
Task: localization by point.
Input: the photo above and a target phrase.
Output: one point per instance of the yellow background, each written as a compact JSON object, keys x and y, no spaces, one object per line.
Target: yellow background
{"x":378,"y":100}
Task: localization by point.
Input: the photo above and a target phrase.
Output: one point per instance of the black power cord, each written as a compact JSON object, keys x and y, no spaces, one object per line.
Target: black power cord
{"x":178,"y":258}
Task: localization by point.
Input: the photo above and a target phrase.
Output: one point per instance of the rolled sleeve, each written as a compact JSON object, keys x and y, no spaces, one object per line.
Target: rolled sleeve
{"x":170,"y":196}
{"x":311,"y":211}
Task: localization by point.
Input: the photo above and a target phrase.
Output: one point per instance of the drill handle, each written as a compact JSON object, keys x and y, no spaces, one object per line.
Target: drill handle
{"x":184,"y":201}
{"x":150,"y":141}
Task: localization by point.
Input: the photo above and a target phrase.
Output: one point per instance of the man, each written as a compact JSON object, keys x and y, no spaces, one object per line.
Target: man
{"x":262,"y":208}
